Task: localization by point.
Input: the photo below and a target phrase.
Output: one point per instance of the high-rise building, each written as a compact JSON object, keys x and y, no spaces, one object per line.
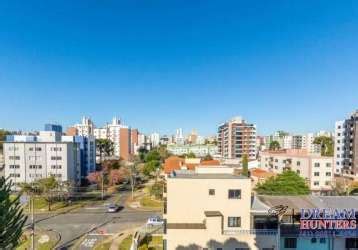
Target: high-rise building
{"x":85,"y":128}
{"x":192,"y":137}
{"x":237,"y":138}
{"x":154,"y":139}
{"x":121,"y":136}
{"x":179,"y":138}
{"x":346,"y":145}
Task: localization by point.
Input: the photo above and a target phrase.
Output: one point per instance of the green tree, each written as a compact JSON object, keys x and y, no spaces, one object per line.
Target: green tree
{"x":208,"y":158}
{"x":287,"y":183}
{"x":46,"y":187}
{"x":104,"y":147}
{"x":3,"y":134}
{"x":327,"y":145}
{"x":151,"y":167}
{"x":245,"y":165}
{"x":153,"y":155}
{"x":142,"y":151}
{"x":12,"y":218}
{"x":274,"y":145}
{"x":191,"y":155}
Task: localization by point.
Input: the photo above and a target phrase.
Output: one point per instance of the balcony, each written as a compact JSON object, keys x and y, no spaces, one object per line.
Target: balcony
{"x":251,"y":232}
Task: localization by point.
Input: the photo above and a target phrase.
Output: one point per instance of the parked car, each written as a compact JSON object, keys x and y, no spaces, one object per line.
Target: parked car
{"x":155,"y":221}
{"x":113,"y":208}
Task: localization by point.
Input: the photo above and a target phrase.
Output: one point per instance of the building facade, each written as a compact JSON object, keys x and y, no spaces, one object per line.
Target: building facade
{"x":198,"y":150}
{"x":318,"y":171}
{"x":213,"y":212}
{"x":85,"y":128}
{"x":237,"y":138}
{"x":346,"y":145}
{"x":28,"y":161}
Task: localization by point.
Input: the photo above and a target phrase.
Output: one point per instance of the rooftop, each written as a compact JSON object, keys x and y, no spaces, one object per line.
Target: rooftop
{"x":187,"y":174}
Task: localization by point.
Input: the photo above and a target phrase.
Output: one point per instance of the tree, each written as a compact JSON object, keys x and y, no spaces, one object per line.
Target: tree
{"x":142,"y":151}
{"x":47,"y":187}
{"x":207,"y":158}
{"x":274,"y":145}
{"x":245,"y":165}
{"x":326,"y":143}
{"x":3,"y":134}
{"x":105,"y":147}
{"x":152,"y":155}
{"x":287,"y":183}
{"x":116,"y":176}
{"x":150,"y":167}
{"x":191,"y":155}
{"x":12,"y":218}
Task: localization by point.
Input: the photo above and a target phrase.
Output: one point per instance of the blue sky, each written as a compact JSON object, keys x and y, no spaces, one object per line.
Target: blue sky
{"x":160,"y":65}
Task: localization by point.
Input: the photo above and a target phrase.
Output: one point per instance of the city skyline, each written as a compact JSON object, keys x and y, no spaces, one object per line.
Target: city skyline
{"x":193,"y":68}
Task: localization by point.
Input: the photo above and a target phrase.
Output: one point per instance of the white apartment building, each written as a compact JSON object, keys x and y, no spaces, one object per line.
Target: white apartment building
{"x":339,"y":145}
{"x":198,"y":150}
{"x":85,"y":128}
{"x":211,"y":208}
{"x":317,"y":170}
{"x":27,"y":161}
{"x":154,"y":139}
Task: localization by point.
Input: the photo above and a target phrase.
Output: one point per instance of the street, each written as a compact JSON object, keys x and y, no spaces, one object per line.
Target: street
{"x":92,"y":221}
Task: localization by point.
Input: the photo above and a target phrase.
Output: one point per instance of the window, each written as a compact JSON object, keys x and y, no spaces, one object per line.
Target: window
{"x":316,"y":173}
{"x":14,"y":166}
{"x":298,"y":163}
{"x":35,"y":166}
{"x":317,"y":164}
{"x":328,"y":165}
{"x":322,"y":240}
{"x":351,"y":243}
{"x":328,"y":173}
{"x":313,"y":240}
{"x":16,"y":157}
{"x":56,"y":158}
{"x":211,"y":191}
{"x":219,"y":248}
{"x":327,"y":183}
{"x":246,"y":248}
{"x":316,"y":183}
{"x":56,"y":166}
{"x":298,"y":171}
{"x":234,"y":222}
{"x":38,"y":149}
{"x":290,"y":243}
{"x":234,"y":194}
{"x":14,"y":175}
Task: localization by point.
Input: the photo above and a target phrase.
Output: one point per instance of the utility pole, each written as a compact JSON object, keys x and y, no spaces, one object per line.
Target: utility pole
{"x":102,"y":185}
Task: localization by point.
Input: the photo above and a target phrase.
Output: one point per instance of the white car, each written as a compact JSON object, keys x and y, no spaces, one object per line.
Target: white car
{"x":155,"y":221}
{"x":112,"y":208}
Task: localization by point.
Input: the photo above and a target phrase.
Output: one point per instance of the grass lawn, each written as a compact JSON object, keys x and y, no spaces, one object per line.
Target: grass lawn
{"x":44,"y":246}
{"x":152,"y":243}
{"x":147,"y":201}
{"x":104,"y":246}
{"x":126,"y":243}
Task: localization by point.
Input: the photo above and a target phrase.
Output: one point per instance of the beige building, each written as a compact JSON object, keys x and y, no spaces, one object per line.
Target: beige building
{"x":317,"y":170}
{"x":211,"y":208}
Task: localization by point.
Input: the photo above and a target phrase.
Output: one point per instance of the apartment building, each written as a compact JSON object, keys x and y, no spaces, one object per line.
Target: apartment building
{"x":28,"y":159}
{"x":85,"y":128}
{"x":198,"y":150}
{"x":237,"y":138}
{"x":121,"y":136}
{"x":317,"y":170}
{"x":211,"y":208}
{"x":346,"y":145}
{"x":87,"y":147}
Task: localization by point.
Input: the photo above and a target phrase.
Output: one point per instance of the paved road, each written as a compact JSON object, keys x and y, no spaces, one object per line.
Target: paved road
{"x":94,"y":220}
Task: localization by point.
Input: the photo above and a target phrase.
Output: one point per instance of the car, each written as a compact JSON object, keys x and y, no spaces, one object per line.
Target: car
{"x":155,"y":221}
{"x":113,"y":208}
